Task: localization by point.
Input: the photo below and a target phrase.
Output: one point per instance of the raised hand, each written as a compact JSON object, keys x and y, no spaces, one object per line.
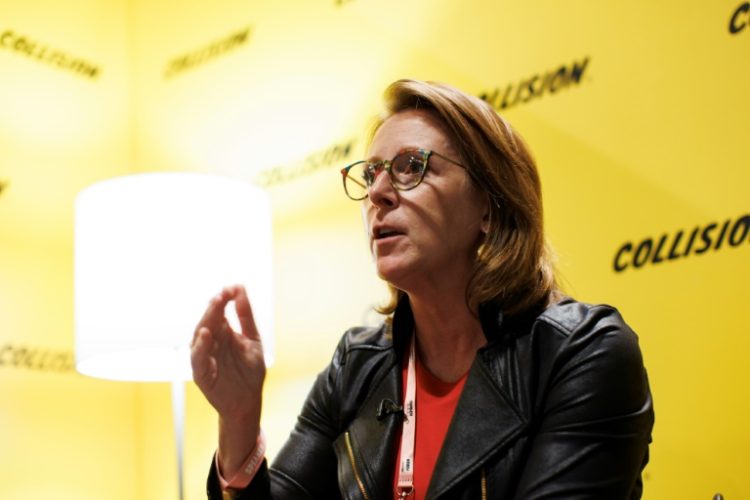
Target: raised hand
{"x":229,"y":369}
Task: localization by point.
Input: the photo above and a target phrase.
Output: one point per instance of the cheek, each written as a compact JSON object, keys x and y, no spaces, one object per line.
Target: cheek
{"x":468,"y":224}
{"x":477,"y":209}
{"x":363,"y":210}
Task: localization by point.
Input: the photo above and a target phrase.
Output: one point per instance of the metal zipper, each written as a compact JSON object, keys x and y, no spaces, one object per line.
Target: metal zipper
{"x":350,"y":450}
{"x":484,"y":484}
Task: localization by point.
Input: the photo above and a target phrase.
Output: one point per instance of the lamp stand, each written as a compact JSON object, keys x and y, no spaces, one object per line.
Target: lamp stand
{"x":178,"y":417}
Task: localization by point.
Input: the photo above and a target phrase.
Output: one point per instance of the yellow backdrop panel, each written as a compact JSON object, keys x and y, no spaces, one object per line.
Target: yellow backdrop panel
{"x":637,"y":114}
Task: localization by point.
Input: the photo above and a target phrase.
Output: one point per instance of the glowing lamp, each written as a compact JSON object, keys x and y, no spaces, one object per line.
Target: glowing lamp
{"x":150,"y":251}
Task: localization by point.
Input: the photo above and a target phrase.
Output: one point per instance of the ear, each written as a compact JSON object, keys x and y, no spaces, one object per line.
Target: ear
{"x":484,"y":227}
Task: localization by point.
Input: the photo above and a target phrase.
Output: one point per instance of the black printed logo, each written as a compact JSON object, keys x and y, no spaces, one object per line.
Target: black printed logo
{"x":740,"y":18}
{"x":536,"y":86}
{"x":334,"y":155}
{"x":45,"y":54}
{"x":200,"y":56}
{"x":682,"y":244}
{"x":42,"y":359}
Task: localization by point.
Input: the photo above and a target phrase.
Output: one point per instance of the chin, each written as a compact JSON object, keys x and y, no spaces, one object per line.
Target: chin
{"x":386,"y":268}
{"x":395,"y":273}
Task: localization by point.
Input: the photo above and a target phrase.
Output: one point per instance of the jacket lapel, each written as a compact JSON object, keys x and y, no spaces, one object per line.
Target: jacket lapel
{"x":374,"y":438}
{"x":485,"y":421}
{"x":377,"y":438}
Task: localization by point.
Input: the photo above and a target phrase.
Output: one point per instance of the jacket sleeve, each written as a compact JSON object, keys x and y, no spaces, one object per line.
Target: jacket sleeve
{"x":305,"y":467}
{"x":595,"y":414}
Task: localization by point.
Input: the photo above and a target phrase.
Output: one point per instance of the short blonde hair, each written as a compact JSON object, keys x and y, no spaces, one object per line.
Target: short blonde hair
{"x":514,"y":265}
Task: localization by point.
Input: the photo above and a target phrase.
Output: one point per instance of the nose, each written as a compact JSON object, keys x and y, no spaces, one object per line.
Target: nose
{"x":381,"y":193}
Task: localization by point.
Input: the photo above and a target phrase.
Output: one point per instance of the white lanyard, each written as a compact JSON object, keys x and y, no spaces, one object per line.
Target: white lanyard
{"x":406,"y":469}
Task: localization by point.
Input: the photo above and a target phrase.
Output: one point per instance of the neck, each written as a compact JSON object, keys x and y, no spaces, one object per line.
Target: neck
{"x":448,"y":335}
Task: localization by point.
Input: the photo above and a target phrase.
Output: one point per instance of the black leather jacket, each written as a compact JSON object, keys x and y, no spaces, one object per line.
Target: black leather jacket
{"x":556,"y":405}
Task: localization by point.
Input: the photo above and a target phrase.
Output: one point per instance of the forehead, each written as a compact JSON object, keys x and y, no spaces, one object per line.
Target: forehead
{"x":410,"y":129}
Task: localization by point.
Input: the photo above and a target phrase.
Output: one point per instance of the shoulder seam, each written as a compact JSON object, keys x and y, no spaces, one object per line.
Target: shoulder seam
{"x":568,"y":331}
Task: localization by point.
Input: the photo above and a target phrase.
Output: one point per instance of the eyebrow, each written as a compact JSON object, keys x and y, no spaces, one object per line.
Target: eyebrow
{"x":375,"y":159}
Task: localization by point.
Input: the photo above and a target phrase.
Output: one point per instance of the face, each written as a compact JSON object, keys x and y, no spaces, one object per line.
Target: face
{"x":425,"y":238}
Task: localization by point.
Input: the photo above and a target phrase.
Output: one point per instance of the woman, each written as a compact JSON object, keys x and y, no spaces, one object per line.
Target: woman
{"x":485,"y":382}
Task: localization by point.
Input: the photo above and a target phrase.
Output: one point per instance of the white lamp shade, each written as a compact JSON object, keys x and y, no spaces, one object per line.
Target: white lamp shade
{"x":150,"y":252}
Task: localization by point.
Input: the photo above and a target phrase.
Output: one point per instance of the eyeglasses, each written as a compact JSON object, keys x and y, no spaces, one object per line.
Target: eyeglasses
{"x":405,"y":171}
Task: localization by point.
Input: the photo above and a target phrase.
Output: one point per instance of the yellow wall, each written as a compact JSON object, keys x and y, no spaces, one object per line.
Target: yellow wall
{"x":63,"y":435}
{"x":648,"y":137}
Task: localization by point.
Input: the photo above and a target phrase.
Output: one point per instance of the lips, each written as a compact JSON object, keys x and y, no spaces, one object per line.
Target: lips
{"x":381,"y":232}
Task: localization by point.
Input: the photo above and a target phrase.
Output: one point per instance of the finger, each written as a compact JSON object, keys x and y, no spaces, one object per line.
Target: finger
{"x":245,"y":313}
{"x":214,"y":313}
{"x":196,"y":334}
{"x":200,"y":355}
{"x":202,"y":345}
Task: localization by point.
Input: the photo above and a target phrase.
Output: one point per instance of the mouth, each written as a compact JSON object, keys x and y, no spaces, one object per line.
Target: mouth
{"x":382,"y":233}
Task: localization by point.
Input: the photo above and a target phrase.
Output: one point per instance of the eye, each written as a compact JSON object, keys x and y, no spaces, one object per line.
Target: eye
{"x":367,"y":175}
{"x":371,"y":171}
{"x":408,"y":164}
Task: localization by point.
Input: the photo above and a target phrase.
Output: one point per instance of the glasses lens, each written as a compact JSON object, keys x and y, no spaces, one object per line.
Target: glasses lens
{"x":408,"y":168}
{"x":356,"y":180}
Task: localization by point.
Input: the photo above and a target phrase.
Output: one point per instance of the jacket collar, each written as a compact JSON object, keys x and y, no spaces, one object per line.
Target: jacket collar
{"x":494,"y":322}
{"x":485,"y":421}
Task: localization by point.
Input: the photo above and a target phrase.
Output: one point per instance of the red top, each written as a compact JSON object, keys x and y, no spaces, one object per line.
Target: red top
{"x":436,"y":403}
